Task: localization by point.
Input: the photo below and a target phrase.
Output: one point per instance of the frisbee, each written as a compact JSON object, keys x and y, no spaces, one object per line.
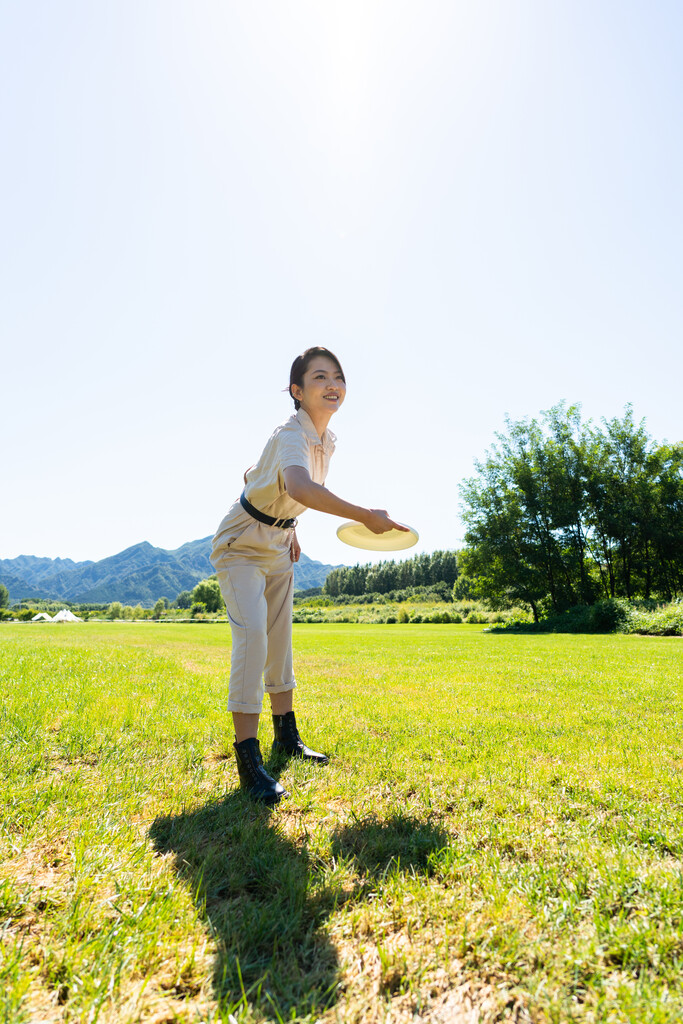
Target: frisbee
{"x":359,"y":536}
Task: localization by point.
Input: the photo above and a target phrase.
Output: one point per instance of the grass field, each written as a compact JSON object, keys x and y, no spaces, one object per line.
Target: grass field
{"x":498,"y":835}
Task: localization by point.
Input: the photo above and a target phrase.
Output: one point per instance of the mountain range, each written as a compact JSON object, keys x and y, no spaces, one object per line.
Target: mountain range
{"x":139,"y":575}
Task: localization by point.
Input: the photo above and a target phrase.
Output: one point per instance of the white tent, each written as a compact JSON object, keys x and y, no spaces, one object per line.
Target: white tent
{"x":42,"y":616}
{"x":66,"y":616}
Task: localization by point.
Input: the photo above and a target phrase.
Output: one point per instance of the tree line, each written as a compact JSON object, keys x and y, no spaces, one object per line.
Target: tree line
{"x":562,"y":513}
{"x":419,"y":571}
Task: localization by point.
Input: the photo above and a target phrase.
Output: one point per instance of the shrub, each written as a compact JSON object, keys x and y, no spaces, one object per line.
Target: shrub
{"x":316,"y":601}
{"x":609,"y":616}
{"x":662,"y":622}
{"x":391,"y":619}
{"x":440,"y":618}
{"x":198,"y":608}
{"x":476,"y":618}
{"x":604,"y":617}
{"x":403,"y":616}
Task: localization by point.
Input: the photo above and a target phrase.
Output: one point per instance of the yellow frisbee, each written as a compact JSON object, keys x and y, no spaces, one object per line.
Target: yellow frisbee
{"x":359,"y":536}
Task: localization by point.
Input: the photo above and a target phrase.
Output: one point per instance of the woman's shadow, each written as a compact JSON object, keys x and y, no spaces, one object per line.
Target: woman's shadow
{"x":266,"y":900}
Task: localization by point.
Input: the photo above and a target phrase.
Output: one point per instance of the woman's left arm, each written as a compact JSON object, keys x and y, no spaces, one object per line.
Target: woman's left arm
{"x":295,"y":549}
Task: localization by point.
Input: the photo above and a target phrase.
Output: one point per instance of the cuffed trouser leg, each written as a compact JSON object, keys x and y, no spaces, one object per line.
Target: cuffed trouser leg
{"x":260,"y":614}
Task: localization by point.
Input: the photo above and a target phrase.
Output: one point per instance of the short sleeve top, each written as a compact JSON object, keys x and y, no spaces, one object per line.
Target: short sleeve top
{"x":293,"y":443}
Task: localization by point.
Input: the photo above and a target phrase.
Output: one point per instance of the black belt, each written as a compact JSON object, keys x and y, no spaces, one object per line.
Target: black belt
{"x":283,"y":524}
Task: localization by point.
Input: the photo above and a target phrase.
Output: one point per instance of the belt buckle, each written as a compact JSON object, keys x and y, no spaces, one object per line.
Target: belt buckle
{"x":285,"y":524}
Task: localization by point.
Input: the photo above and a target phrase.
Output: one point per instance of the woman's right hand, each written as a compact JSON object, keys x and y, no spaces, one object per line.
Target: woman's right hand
{"x":377,"y":520}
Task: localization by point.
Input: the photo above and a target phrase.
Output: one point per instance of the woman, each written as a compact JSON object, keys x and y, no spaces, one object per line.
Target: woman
{"x":253,"y":551}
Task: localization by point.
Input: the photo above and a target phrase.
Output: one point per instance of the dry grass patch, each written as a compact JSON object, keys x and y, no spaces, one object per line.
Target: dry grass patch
{"x":388,"y":984}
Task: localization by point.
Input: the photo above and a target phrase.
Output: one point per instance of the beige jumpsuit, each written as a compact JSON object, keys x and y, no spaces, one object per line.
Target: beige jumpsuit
{"x":254,"y":565}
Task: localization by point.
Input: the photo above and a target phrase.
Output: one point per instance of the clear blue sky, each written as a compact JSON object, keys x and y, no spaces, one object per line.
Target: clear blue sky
{"x":478,"y":206}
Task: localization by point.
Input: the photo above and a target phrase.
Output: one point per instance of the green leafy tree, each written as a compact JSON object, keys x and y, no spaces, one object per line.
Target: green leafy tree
{"x":138,"y":611}
{"x":666,"y":527}
{"x":159,"y":608}
{"x":526,"y":515}
{"x":4,"y":596}
{"x":444,"y":567}
{"x":635,"y":509}
{"x":331,"y":585}
{"x":184,"y":599}
{"x":561,"y":513}
{"x":208,"y":593}
{"x":115,"y":610}
{"x":465,"y":588}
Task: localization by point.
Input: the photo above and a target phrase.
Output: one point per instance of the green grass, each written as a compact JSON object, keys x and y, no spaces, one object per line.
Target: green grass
{"x":499,"y":829}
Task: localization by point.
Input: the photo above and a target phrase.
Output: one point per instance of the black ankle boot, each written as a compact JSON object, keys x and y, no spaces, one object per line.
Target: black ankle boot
{"x":287,"y":740}
{"x":253,"y":776}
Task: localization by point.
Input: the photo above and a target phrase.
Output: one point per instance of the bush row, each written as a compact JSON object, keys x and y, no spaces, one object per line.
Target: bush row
{"x":403,"y":614}
{"x":422,"y":594}
{"x":613,"y":616}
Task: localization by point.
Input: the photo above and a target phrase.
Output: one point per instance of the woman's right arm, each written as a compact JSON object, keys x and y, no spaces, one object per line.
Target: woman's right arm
{"x":301,"y":488}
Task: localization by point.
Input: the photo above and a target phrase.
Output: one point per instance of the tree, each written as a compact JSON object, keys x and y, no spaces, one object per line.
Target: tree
{"x":561,"y":513}
{"x":208,"y":593}
{"x":499,"y":543}
{"x":444,"y":568}
{"x":667,"y":524}
{"x":4,"y":596}
{"x":159,"y":608}
{"x":332,"y":583}
{"x":115,"y":610}
{"x":184,"y":599}
{"x":620,"y":501}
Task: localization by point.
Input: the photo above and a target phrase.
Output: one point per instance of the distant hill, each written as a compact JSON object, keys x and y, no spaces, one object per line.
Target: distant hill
{"x":139,"y":575}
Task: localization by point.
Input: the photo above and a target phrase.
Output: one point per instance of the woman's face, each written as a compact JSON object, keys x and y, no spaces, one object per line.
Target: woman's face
{"x":323,"y":387}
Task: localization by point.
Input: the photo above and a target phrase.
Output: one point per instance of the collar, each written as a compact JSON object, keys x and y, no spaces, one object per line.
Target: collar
{"x":327,"y":440}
